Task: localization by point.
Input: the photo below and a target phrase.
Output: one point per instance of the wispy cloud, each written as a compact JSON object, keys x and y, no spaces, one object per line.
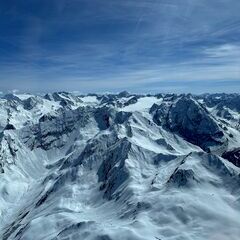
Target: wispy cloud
{"x":229,"y":51}
{"x":91,"y":45}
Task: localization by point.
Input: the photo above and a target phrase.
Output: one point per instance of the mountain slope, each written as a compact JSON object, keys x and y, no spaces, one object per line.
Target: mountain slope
{"x":119,"y":167}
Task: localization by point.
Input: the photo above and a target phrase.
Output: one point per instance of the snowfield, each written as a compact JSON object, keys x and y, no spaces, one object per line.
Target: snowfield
{"x":120,"y":167}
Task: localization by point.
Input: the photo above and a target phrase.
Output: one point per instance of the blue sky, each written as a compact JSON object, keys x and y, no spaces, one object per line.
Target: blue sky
{"x":113,"y":45}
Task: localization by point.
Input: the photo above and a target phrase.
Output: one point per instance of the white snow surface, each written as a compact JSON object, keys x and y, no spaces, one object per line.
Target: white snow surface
{"x":108,"y":168}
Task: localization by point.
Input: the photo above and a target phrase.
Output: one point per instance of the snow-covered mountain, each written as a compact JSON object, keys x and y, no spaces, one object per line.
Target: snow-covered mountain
{"x":116,"y":167}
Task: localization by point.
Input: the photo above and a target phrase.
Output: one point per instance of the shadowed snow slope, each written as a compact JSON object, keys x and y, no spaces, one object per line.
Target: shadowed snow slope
{"x":116,"y":167}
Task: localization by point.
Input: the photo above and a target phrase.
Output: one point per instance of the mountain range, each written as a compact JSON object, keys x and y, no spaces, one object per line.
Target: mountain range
{"x":120,"y":166}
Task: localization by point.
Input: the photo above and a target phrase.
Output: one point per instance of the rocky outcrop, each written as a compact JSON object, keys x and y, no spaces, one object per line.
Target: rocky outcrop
{"x":189,"y":119}
{"x":233,"y":156}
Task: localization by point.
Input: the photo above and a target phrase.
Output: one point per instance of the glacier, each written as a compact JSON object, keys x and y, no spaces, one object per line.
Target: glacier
{"x":119,"y":166}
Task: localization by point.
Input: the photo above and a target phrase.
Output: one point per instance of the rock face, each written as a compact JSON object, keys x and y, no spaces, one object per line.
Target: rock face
{"x":230,"y":101}
{"x":191,"y":120}
{"x":119,"y":167}
{"x":182,"y":177}
{"x":233,"y":156}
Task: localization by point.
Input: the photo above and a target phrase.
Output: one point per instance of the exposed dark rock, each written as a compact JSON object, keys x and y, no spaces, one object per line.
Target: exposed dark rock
{"x":123,"y":94}
{"x":31,"y":102}
{"x":233,"y":156}
{"x":132,"y":100}
{"x":182,"y":177}
{"x":9,"y":126}
{"x":190,"y":120}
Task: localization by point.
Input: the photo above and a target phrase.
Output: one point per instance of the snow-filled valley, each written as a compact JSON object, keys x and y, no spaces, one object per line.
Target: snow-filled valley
{"x":120,"y":167}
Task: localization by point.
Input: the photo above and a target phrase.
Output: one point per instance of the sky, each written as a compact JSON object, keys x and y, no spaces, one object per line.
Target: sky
{"x":113,"y":45}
